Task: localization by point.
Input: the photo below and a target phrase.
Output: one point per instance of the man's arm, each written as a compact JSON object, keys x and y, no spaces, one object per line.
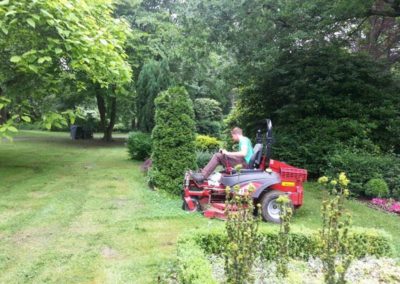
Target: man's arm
{"x":241,"y":153}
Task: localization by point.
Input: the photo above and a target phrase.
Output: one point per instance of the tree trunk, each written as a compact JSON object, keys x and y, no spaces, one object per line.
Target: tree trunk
{"x":3,"y":111}
{"x":113,"y":113}
{"x":102,"y":110}
{"x":110,"y":108}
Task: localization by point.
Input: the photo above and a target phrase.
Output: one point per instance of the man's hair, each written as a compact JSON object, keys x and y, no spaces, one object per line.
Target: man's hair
{"x":237,"y":130}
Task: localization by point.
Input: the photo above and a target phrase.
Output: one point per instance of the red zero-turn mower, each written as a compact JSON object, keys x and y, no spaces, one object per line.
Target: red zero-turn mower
{"x":270,"y":182}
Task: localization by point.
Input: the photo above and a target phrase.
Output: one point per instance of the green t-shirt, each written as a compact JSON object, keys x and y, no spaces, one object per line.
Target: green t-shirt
{"x":246,"y":141}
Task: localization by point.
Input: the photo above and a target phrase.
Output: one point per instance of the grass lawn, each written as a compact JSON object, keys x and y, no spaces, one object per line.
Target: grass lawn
{"x":80,"y":212}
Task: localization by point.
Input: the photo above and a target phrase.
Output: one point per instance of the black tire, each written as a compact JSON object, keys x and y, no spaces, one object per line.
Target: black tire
{"x":269,"y":207}
{"x":196,"y":207}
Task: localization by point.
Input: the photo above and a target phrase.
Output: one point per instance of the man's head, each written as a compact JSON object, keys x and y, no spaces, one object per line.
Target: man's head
{"x":236,"y":133}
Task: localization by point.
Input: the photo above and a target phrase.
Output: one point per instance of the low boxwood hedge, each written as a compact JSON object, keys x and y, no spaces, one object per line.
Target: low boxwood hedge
{"x":193,"y":249}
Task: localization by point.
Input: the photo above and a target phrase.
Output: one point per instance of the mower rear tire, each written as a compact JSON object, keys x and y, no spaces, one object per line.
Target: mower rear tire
{"x":269,"y":207}
{"x":196,"y":205}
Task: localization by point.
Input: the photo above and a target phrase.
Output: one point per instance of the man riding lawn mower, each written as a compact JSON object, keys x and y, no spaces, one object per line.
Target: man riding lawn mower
{"x":205,"y":191}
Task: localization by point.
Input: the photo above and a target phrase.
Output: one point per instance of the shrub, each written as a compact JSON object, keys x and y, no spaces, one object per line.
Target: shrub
{"x":333,"y":238}
{"x":208,"y":116}
{"x":202,"y":158}
{"x":209,"y":127}
{"x":303,"y":243}
{"x":285,"y":215}
{"x":193,"y":267}
{"x":207,"y":143}
{"x":173,"y":140}
{"x":361,"y":166}
{"x":139,"y":145}
{"x":242,"y":246}
{"x":376,"y":187}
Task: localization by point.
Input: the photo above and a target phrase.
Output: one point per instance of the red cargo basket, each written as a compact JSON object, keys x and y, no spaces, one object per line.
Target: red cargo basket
{"x":294,"y":174}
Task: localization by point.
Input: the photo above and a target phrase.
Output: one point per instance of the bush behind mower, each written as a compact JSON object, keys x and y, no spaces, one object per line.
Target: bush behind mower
{"x":270,"y":182}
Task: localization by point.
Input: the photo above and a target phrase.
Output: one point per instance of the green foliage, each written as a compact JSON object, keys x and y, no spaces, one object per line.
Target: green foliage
{"x":322,"y":99}
{"x":334,"y":245}
{"x":202,"y":158}
{"x":173,"y":139}
{"x":139,"y":145}
{"x":361,"y":166}
{"x":304,"y":243}
{"x":207,"y":143}
{"x":285,"y":215}
{"x":153,"y":79}
{"x":207,"y":109}
{"x":54,"y":32}
{"x":193,"y":267}
{"x":242,"y":246}
{"x":376,"y":187}
{"x":208,"y":116}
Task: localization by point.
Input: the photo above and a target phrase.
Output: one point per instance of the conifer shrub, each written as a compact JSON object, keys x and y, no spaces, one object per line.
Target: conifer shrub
{"x":376,"y":187}
{"x":139,"y":145}
{"x":173,"y":140}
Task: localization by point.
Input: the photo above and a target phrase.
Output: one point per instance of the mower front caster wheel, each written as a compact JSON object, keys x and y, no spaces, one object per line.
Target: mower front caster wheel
{"x":270,"y":208}
{"x":185,"y":206}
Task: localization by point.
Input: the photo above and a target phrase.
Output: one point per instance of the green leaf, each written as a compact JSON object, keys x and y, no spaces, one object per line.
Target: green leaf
{"x":1,"y":106}
{"x":44,"y":12}
{"x":33,"y":68}
{"x":31,"y":22}
{"x":10,"y":13}
{"x":26,"y":118}
{"x":4,"y":30}
{"x":12,"y":129}
{"x":44,"y":59}
{"x":58,"y":50}
{"x":4,"y":2}
{"x":15,"y":59}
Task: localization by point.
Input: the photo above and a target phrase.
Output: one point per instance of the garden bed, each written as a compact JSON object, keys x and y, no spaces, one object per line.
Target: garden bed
{"x":200,"y":257}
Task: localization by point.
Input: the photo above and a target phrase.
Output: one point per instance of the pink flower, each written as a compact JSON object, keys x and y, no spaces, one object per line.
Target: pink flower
{"x":379,"y":201}
{"x":395,"y":207}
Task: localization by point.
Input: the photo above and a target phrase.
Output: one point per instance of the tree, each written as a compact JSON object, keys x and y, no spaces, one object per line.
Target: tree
{"x":153,"y":78}
{"x":208,"y":115}
{"x":173,"y":139}
{"x":323,"y":100}
{"x":60,"y":41}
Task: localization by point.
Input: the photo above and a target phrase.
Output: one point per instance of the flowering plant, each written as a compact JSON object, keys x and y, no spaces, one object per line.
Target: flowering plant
{"x":389,"y":205}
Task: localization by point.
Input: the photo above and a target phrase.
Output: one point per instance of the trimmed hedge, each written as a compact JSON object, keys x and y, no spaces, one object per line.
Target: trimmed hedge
{"x":303,"y":245}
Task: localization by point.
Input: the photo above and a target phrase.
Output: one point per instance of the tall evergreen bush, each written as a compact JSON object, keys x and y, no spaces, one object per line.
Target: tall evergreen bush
{"x":153,"y":79}
{"x":173,"y":139}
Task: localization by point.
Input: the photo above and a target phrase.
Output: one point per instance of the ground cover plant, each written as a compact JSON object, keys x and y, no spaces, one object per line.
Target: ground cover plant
{"x":81,"y":211}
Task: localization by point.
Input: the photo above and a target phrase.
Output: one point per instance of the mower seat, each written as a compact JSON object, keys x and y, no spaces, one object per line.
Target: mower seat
{"x":255,"y":159}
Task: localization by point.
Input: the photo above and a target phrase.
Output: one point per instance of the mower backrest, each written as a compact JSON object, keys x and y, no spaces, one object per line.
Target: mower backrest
{"x":255,"y":159}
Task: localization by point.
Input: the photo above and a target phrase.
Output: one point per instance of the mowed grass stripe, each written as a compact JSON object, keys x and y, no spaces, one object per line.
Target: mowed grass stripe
{"x":96,"y":218}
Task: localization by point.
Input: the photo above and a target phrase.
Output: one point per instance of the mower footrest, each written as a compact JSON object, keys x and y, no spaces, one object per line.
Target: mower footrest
{"x":214,"y":213}
{"x":220,"y":206}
